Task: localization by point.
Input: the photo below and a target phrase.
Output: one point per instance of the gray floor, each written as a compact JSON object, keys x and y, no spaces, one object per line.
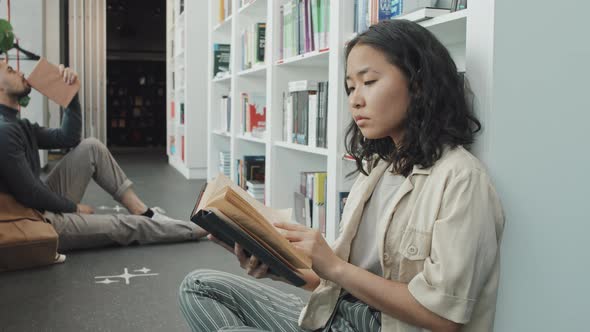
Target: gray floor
{"x":66,"y":297}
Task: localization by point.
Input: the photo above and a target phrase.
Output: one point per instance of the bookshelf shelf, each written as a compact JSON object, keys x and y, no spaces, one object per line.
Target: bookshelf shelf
{"x":302,"y":148}
{"x":449,"y":28}
{"x":225,"y":79}
{"x":225,"y":26}
{"x":255,"y":8}
{"x":312,"y":59}
{"x":252,"y":139}
{"x":458,"y":17}
{"x":257,"y":71}
{"x":221,"y":133}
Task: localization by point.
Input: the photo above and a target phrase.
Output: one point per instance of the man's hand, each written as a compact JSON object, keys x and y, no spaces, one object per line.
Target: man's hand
{"x":68,"y":74}
{"x":85,"y":209}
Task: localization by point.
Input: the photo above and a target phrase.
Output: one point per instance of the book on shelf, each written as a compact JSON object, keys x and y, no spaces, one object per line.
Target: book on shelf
{"x":221,"y":56}
{"x":255,"y":184}
{"x":46,"y":79}
{"x":172,"y":142}
{"x":181,"y":113}
{"x":260,"y":42}
{"x":225,"y":114}
{"x":231,"y":215}
{"x":302,"y":209}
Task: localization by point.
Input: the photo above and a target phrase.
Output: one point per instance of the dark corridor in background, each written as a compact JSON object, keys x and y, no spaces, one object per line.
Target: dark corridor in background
{"x":136,"y":73}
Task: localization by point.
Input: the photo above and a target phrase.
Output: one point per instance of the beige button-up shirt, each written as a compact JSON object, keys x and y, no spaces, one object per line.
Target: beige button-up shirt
{"x":440,"y":235}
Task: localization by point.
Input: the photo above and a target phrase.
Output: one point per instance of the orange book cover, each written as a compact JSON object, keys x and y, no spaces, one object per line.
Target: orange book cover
{"x":46,"y":79}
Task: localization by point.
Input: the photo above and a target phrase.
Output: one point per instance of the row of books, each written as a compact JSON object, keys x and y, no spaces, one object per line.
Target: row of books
{"x":221,"y":56}
{"x":172,"y":143}
{"x":224,"y":123}
{"x":310,"y":202}
{"x":142,"y":123}
{"x":253,"y":115}
{"x":251,"y":169}
{"x":253,"y":40}
{"x":305,"y":27}
{"x":305,"y":113}
{"x":369,"y":12}
{"x":173,"y":111}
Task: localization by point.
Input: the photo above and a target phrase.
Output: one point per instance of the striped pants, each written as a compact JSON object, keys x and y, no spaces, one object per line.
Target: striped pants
{"x":218,"y":301}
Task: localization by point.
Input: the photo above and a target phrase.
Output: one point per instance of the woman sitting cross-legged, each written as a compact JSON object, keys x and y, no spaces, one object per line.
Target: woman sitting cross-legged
{"x":419,"y":246}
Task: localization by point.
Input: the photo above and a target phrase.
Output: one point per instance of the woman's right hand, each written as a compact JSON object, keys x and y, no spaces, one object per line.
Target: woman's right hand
{"x":255,"y":268}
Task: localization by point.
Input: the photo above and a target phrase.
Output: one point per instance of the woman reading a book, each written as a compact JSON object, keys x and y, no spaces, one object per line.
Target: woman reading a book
{"x":419,"y":245}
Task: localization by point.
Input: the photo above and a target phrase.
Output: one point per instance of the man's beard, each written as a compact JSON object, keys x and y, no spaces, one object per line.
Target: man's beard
{"x":25,"y":92}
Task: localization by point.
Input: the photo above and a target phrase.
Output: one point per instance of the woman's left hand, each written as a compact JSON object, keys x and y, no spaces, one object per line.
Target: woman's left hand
{"x":325,"y":262}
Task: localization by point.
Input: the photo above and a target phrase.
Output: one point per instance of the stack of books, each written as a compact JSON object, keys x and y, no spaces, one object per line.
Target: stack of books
{"x":224,"y":163}
{"x":256,"y":189}
{"x":251,"y":168}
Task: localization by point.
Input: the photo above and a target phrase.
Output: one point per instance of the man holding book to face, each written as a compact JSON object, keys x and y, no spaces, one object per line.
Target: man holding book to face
{"x":59,"y":196}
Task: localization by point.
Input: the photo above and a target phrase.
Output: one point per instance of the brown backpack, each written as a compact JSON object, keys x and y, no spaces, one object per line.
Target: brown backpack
{"x":26,"y":239}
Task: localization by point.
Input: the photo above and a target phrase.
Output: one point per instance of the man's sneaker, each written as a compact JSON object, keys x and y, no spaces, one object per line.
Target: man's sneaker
{"x":59,"y":258}
{"x":161,"y":217}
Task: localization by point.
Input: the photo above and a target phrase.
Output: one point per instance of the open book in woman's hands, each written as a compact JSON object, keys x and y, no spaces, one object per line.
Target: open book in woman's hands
{"x":231,"y":215}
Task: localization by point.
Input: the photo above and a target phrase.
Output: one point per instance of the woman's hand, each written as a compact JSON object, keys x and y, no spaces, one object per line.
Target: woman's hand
{"x":68,"y":74}
{"x":325,"y":262}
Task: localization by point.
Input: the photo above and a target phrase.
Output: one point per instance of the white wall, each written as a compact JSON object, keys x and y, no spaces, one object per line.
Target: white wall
{"x":27,"y":19}
{"x":52,"y":48}
{"x":537,"y":152}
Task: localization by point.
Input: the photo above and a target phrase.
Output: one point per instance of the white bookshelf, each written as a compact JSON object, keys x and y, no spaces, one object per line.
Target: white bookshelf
{"x":186,"y":89}
{"x":284,"y":161}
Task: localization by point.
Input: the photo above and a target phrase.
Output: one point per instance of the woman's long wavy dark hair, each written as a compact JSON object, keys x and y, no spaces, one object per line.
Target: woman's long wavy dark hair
{"x":439,"y":112}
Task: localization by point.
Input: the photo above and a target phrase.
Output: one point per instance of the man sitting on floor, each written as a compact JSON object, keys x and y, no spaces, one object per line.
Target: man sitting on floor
{"x":58,"y":198}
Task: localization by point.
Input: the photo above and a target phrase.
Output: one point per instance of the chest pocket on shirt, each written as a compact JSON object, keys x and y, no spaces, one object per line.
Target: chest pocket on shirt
{"x":413,"y":250}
